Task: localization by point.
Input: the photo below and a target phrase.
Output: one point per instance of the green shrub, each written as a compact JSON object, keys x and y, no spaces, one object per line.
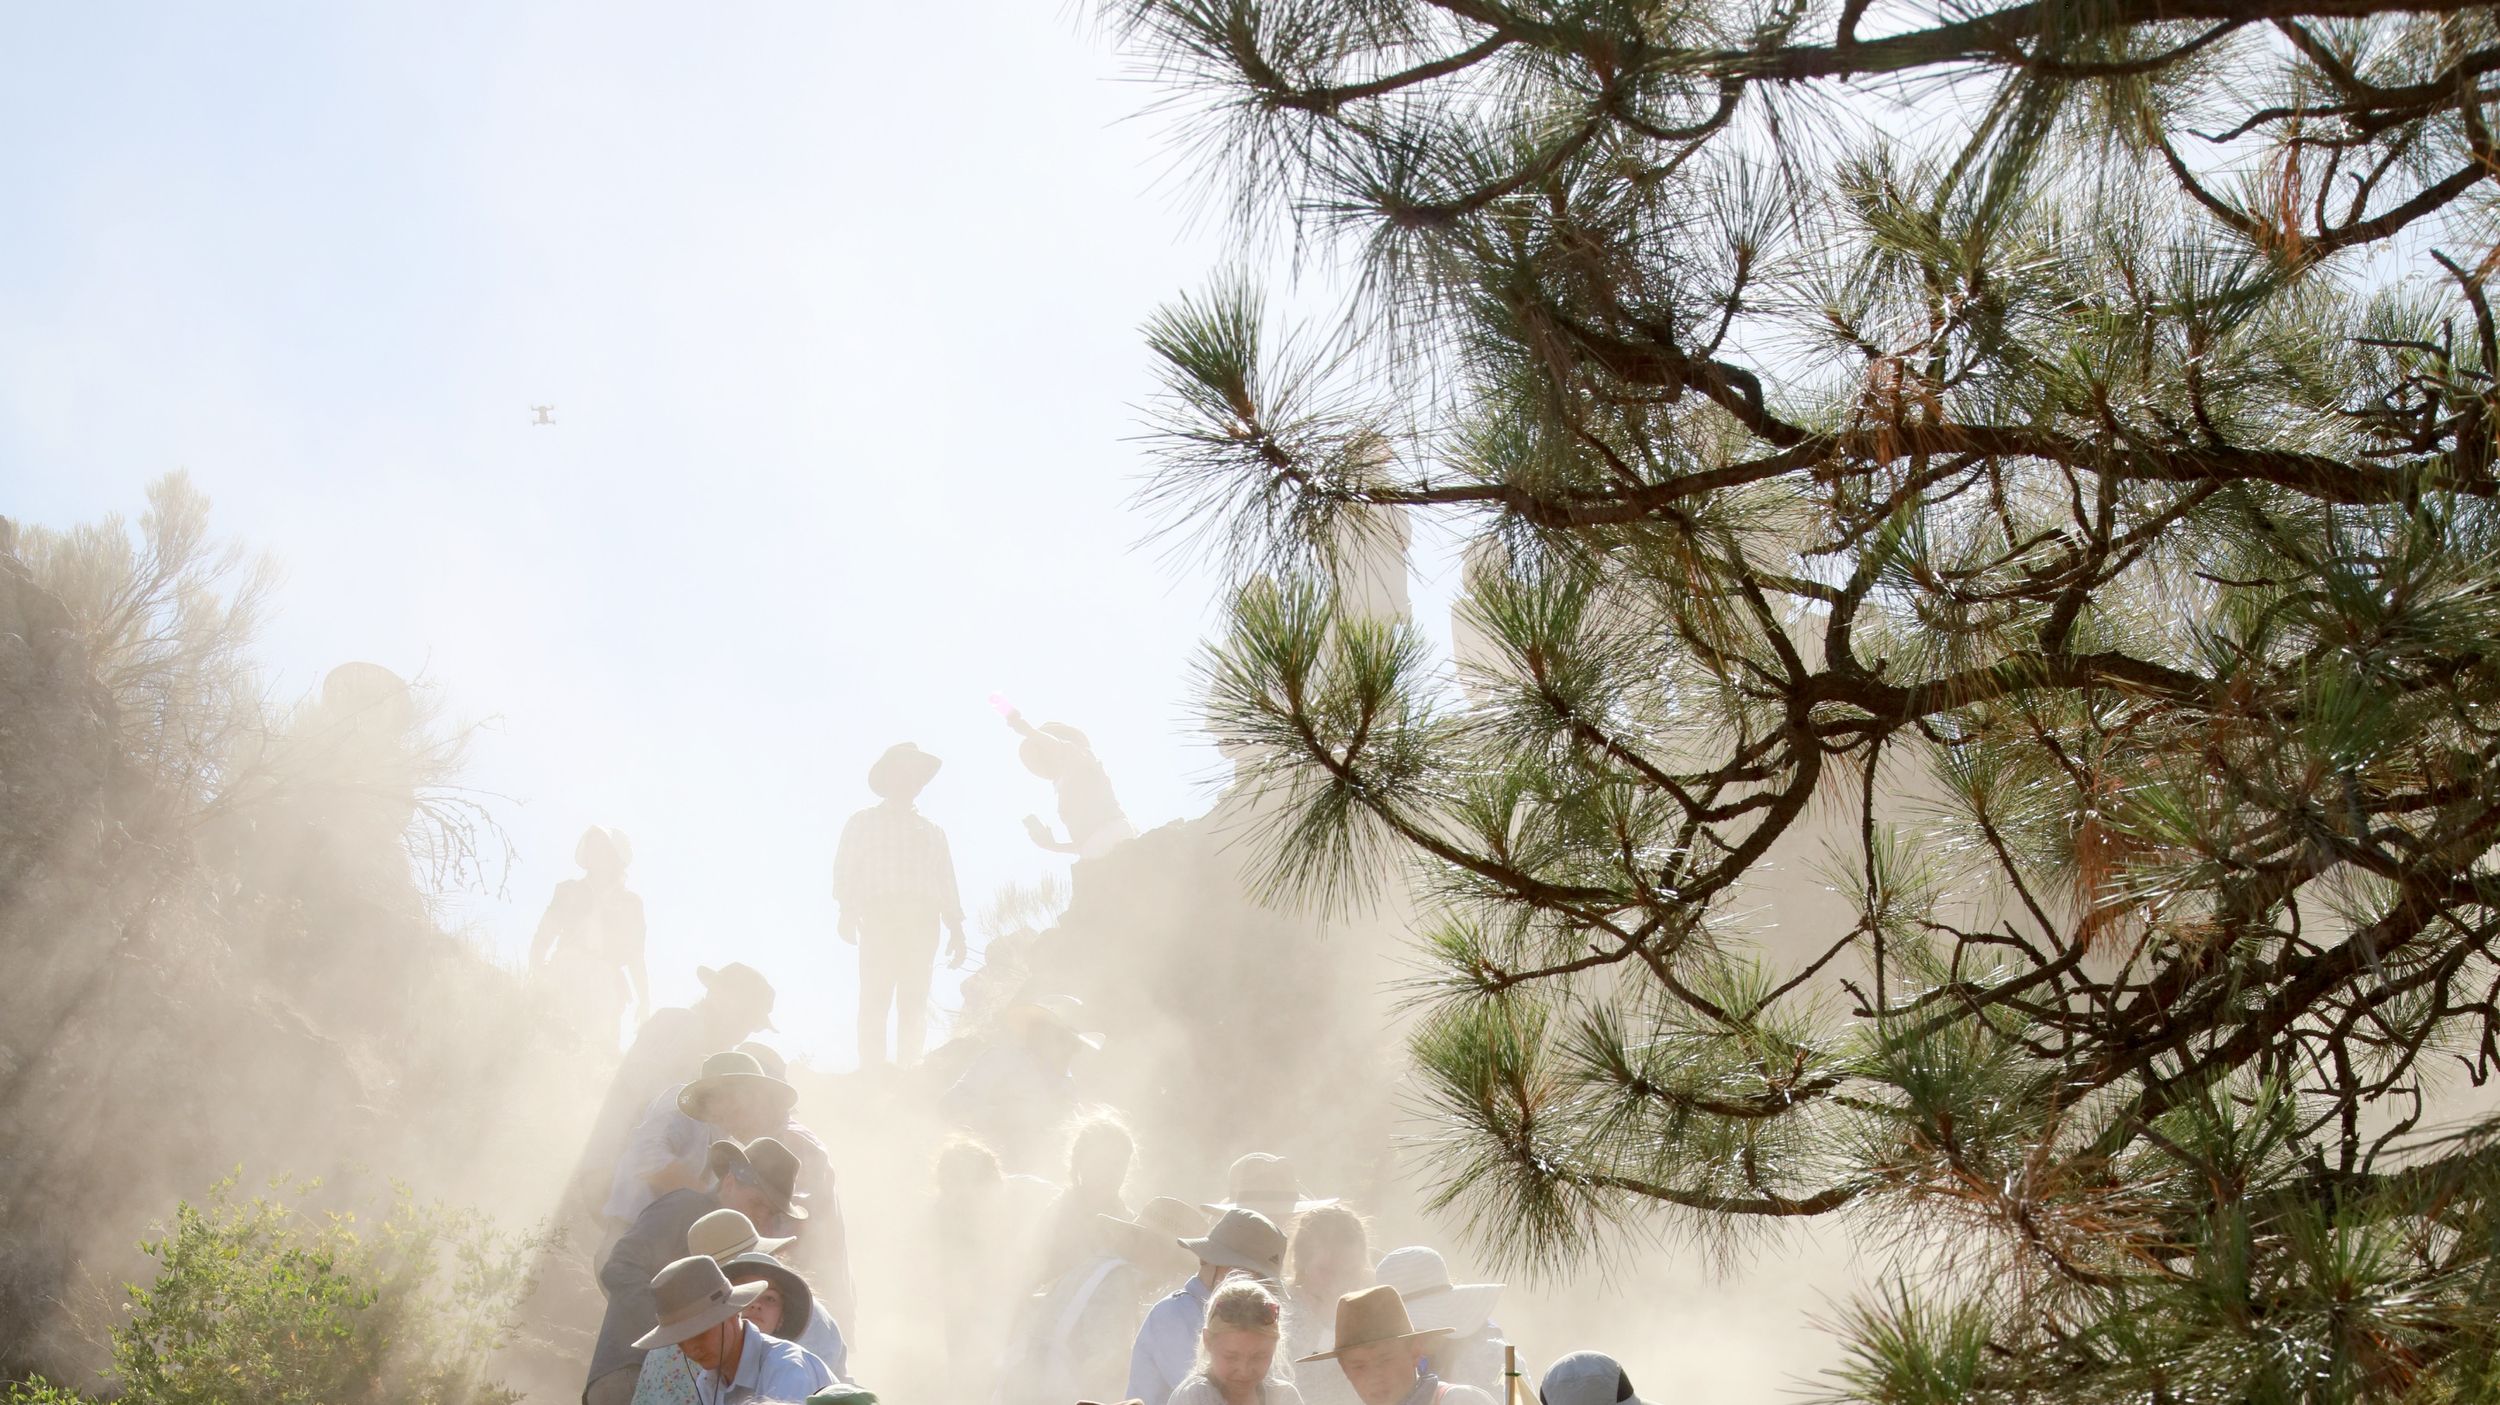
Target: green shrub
{"x":40,"y":1392}
{"x":259,"y":1301}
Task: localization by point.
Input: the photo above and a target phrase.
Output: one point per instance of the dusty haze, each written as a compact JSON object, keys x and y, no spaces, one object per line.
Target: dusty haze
{"x":789,"y":511}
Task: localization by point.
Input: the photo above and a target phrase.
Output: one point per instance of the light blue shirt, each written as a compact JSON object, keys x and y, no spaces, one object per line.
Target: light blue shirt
{"x":823,"y":1340}
{"x":769,"y":1369}
{"x":772,"y":1369}
{"x":1167,"y":1343}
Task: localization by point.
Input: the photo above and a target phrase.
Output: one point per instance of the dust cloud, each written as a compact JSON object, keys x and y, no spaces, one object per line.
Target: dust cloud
{"x":225,"y":955}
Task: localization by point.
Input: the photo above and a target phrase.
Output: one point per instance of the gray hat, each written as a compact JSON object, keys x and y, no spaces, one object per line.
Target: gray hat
{"x":1586,"y":1378}
{"x":768,"y":1164}
{"x":1243,"y":1239}
{"x":693,"y":1295}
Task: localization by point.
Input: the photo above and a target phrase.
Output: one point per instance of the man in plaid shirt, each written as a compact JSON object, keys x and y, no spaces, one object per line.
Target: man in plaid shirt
{"x":895,"y":882}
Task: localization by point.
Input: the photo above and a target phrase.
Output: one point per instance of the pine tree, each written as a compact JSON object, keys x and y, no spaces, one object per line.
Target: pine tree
{"x":2054,"y":437}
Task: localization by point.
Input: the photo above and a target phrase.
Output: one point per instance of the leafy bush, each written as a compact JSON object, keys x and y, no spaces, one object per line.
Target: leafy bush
{"x":259,"y":1301}
{"x":40,"y":1392}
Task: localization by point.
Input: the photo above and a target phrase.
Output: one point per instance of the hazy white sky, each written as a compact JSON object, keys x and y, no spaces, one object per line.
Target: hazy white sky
{"x":838,"y":306}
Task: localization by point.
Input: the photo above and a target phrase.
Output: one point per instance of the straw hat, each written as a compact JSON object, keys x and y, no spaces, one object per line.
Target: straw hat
{"x":904,"y":771}
{"x":725,"y":1234}
{"x":729,"y":1070}
{"x":1422,"y":1278}
{"x":1268,"y":1185}
{"x":773,"y":1166}
{"x":1152,"y":1240}
{"x":1370,"y":1317}
{"x":1243,"y":1239}
{"x":693,"y":1295}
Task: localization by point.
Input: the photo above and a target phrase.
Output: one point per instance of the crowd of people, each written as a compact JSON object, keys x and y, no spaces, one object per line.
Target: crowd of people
{"x":721,"y":1250}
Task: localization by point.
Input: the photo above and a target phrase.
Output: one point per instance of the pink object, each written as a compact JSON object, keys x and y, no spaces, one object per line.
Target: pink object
{"x":999,"y":703}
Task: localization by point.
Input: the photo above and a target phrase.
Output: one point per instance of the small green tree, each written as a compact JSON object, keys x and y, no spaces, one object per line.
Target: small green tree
{"x":2054,"y":438}
{"x":259,"y":1301}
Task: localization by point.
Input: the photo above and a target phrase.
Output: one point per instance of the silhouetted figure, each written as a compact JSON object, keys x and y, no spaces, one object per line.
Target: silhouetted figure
{"x":1021,"y":1086}
{"x":981,"y":1227}
{"x":588,"y":950}
{"x":1072,"y":1340}
{"x":895,"y":881}
{"x":1060,"y":754}
{"x":1099,"y":1156}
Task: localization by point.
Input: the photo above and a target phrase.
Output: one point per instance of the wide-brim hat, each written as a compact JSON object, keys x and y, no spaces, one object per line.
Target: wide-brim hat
{"x":1242,"y":1239}
{"x":729,"y":1070}
{"x":1370,"y":1317}
{"x":1422,"y":1278}
{"x":1268,"y":1185}
{"x":1155,"y":1236}
{"x":797,"y":1299}
{"x":726,"y":1234}
{"x":904,"y":771}
{"x":739,"y":979}
{"x":771,"y":1163}
{"x":693,"y":1295}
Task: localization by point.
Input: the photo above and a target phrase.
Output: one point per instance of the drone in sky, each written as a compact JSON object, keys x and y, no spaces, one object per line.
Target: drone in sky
{"x":545,"y":414}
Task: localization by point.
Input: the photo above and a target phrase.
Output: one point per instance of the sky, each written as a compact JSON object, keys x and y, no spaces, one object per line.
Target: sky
{"x":838,"y":309}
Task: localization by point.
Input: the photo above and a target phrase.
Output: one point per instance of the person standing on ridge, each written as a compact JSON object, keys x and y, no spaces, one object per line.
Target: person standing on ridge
{"x":1061,"y":755}
{"x":894,"y":879}
{"x":589,"y":945}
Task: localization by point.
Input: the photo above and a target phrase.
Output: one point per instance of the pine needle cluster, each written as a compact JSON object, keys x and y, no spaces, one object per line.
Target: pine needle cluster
{"x":2056,"y":438}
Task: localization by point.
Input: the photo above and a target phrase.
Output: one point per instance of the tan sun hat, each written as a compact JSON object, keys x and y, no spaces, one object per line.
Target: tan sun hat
{"x":733,"y":1069}
{"x":725,"y":1234}
{"x":1422,"y":1278}
{"x":1243,"y":1239}
{"x":1370,"y":1317}
{"x":1152,"y":1240}
{"x":1268,"y":1185}
{"x":693,"y":1295}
